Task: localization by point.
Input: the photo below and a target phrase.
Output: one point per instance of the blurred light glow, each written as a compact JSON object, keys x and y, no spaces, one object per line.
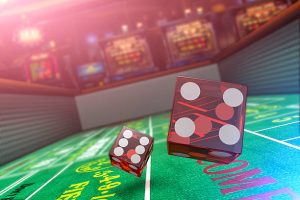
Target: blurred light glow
{"x":218,"y":8}
{"x":29,"y":35}
{"x":139,"y":24}
{"x":187,"y":11}
{"x":124,"y":28}
{"x":199,"y":10}
{"x":52,"y":44}
{"x":39,"y":56}
{"x":92,"y":39}
{"x":23,"y":17}
{"x":3,"y":1}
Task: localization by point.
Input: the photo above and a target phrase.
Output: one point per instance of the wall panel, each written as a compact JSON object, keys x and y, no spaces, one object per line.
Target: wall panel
{"x":269,"y":65}
{"x":29,"y":122}
{"x":134,"y":100}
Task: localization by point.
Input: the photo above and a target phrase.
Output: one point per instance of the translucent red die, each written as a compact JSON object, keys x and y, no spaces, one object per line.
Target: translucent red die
{"x":131,"y":151}
{"x":207,"y":120}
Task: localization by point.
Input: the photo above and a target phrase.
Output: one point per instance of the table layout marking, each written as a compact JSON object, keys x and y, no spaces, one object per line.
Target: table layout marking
{"x":61,"y":171}
{"x":293,"y":138}
{"x":148,"y":172}
{"x":17,"y":183}
{"x":267,"y":118}
{"x":276,"y":126}
{"x":108,"y":144}
{"x":273,"y":139}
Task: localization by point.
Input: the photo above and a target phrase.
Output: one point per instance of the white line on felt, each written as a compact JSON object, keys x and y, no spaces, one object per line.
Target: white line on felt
{"x":148,"y":172}
{"x":82,"y":144}
{"x":276,"y":126}
{"x":159,"y":125}
{"x":264,"y":112}
{"x":293,"y":138}
{"x":15,"y":174}
{"x":61,"y":171}
{"x":108,"y":144}
{"x":275,"y":116}
{"x":36,"y":158}
{"x":266,"y":99}
{"x":17,"y":182}
{"x":43,"y":155}
{"x":273,"y":139}
{"x":160,"y":141}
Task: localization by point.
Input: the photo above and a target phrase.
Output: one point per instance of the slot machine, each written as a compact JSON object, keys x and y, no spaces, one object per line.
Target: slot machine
{"x":43,"y":68}
{"x":189,"y":41}
{"x":127,"y":56}
{"x":254,"y":16}
{"x":91,"y":74}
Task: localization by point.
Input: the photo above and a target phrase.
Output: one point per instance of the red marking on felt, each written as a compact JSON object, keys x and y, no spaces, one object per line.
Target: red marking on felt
{"x":212,"y":119}
{"x":130,"y":153}
{"x":203,"y":125}
{"x":190,"y":106}
{"x":224,"y":111}
{"x":200,"y":162}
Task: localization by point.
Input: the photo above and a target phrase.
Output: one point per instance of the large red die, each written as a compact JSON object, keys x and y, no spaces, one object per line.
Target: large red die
{"x":131,"y":151}
{"x":207,"y":121}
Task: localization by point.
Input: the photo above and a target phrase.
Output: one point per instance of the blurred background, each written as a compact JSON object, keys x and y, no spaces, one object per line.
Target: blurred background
{"x":90,"y":44}
{"x":73,"y":65}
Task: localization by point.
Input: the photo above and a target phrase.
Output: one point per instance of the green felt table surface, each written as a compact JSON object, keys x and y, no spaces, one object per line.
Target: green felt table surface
{"x":78,"y":167}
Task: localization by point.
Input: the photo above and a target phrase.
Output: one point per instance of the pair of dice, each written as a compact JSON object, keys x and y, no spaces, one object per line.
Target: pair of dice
{"x":207,"y":123}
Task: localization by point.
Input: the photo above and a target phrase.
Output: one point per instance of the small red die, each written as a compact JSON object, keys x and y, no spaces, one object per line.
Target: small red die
{"x":207,"y":121}
{"x":131,"y":151}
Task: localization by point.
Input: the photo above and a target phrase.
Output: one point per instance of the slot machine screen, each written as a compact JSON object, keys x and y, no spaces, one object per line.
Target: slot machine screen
{"x":190,"y":40}
{"x":128,"y":56}
{"x":257,"y":15}
{"x":42,"y":68}
{"x":91,"y":69}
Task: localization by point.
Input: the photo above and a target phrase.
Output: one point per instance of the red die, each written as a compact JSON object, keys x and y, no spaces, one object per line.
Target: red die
{"x":131,"y":151}
{"x":207,"y":121}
